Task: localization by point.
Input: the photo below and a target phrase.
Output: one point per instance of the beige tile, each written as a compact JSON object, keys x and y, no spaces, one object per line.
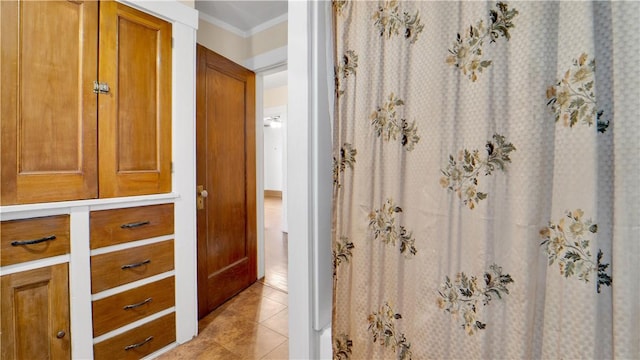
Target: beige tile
{"x":230,"y":328}
{"x":205,"y":321}
{"x":255,"y":344}
{"x":191,"y":349}
{"x":250,"y":295}
{"x":251,"y":325}
{"x":278,"y":322}
{"x":279,"y":353}
{"x":217,"y":352}
{"x":278,"y":295}
{"x":256,"y":309}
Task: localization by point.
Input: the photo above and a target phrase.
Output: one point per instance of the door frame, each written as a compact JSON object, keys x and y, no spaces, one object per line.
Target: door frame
{"x":309,"y":133}
{"x":310,"y":271}
{"x":269,"y":65}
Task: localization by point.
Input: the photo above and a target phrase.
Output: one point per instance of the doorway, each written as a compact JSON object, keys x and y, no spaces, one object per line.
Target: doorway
{"x":275,"y":98}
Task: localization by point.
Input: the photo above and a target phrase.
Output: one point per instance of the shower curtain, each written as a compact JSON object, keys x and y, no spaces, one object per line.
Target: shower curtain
{"x":486,"y":170}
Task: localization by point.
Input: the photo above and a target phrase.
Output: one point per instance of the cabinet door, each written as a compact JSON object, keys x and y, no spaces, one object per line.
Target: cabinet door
{"x":35,"y":314}
{"x":48,"y":107}
{"x":135,"y":116}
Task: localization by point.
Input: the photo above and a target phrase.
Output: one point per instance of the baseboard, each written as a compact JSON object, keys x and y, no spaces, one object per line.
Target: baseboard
{"x":273,"y":193}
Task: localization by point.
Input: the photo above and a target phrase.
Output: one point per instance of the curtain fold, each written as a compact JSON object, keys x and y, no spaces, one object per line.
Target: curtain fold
{"x":486,"y":172}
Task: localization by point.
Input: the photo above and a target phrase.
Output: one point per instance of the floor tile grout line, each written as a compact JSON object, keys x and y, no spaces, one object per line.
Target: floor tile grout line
{"x":272,"y":287}
{"x":274,"y":349}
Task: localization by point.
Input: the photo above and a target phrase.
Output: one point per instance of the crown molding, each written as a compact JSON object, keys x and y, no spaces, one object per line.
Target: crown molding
{"x":221,"y":24}
{"x":244,"y":34}
{"x":268,"y":24}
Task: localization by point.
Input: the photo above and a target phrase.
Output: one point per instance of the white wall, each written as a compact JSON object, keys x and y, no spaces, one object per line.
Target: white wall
{"x":225,"y":43}
{"x":276,"y":96}
{"x":273,"y":150}
{"x":273,"y":158}
{"x":241,"y":46}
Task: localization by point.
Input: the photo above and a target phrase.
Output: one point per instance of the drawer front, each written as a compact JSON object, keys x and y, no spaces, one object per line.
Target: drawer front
{"x":138,"y":342}
{"x":111,"y":227}
{"x":118,"y":310}
{"x":124,"y":266}
{"x":33,"y":239}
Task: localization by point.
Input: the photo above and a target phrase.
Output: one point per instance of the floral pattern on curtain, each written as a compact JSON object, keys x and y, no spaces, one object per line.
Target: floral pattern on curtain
{"x":486,"y":168}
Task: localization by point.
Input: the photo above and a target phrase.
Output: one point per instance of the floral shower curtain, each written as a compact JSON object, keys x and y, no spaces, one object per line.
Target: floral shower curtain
{"x":486,"y":173}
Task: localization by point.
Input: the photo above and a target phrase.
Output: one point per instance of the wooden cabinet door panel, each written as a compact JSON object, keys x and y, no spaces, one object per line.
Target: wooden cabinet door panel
{"x":135,"y":116}
{"x":49,"y":109}
{"x":35,"y":314}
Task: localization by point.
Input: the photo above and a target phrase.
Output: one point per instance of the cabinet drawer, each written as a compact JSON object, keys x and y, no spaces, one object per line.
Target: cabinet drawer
{"x":118,"y":310}
{"x":124,"y":266}
{"x":33,"y":239}
{"x":138,"y":342}
{"x":110,"y":227}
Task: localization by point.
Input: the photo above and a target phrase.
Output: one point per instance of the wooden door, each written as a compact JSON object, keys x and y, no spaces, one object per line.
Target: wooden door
{"x":48,"y":107}
{"x":35,"y":314}
{"x":226,"y":169}
{"x":135,"y":115}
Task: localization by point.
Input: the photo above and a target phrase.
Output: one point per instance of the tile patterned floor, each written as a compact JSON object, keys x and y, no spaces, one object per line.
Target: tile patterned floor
{"x":254,"y":323}
{"x":276,"y":245}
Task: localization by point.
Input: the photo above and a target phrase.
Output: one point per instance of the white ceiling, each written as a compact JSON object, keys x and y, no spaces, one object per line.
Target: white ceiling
{"x":243,"y":15}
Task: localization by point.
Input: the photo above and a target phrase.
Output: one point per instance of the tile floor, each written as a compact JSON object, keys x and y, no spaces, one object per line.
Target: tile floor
{"x":254,"y":323}
{"x":276,"y":245}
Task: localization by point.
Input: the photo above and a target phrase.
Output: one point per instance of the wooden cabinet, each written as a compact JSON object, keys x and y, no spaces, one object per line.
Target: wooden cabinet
{"x":140,"y":341}
{"x":35,"y":303}
{"x":135,"y":116}
{"x":131,"y":281}
{"x":59,"y":144}
{"x":33,"y":239}
{"x":49,"y":111}
{"x":120,"y":309}
{"x":60,"y":139}
{"x":35,"y":314}
{"x":117,"y":226}
{"x":121,"y":267}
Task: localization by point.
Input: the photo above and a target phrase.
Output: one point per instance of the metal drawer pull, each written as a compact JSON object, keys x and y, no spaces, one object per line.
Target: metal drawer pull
{"x":133,"y":306}
{"x":135,"y":224}
{"x":133,"y":346}
{"x":31,"y":242}
{"x":131,"y":266}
